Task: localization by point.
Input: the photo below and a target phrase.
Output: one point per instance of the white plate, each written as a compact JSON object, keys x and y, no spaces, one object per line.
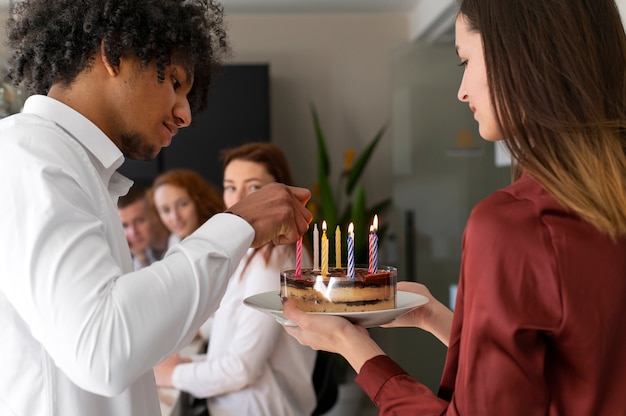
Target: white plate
{"x":269,"y":302}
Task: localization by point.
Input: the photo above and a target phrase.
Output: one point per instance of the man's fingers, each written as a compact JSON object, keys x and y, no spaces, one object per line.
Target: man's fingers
{"x":302,"y":194}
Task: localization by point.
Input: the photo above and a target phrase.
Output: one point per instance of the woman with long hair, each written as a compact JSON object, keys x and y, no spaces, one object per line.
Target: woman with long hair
{"x":252,"y":367}
{"x":184,"y":201}
{"x":538,"y":326}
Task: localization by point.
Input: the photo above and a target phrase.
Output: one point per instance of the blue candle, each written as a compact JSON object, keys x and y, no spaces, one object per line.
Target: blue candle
{"x":351,"y":251}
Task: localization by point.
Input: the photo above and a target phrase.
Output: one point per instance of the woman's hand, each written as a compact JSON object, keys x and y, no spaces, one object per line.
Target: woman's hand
{"x":331,"y":333}
{"x":433,"y":317}
{"x":163,"y":371}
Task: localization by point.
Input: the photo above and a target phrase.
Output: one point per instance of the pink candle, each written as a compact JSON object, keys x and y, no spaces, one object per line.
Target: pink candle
{"x":324,"y":250}
{"x":299,"y":257}
{"x":373,"y":247}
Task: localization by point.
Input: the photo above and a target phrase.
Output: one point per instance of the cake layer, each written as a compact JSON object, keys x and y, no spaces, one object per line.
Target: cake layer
{"x":325,"y":306}
{"x":339,"y":294}
{"x":336,"y":292}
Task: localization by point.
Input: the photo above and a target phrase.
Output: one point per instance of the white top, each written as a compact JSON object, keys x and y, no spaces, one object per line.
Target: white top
{"x":80,"y":330}
{"x":150,"y":258}
{"x":252,"y":367}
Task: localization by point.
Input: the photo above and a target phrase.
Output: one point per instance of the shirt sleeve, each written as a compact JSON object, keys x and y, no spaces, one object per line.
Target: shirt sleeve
{"x":63,"y":274}
{"x":251,"y":341}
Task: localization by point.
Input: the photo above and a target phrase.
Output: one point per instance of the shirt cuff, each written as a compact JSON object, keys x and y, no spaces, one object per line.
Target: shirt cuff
{"x":376,"y":372}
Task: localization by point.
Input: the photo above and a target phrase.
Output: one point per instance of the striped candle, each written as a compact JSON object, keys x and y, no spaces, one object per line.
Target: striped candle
{"x":351,"y":251}
{"x":324,"y":250}
{"x":373,"y":246}
{"x":299,"y":257}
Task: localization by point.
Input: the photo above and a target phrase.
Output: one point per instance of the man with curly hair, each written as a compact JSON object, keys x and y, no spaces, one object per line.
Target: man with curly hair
{"x":81,"y":331}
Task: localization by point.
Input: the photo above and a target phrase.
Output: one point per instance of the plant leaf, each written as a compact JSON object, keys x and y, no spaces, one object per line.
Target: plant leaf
{"x":361,"y":228}
{"x":379,"y":208}
{"x":328,"y":211}
{"x":323,"y":163}
{"x":361,"y":163}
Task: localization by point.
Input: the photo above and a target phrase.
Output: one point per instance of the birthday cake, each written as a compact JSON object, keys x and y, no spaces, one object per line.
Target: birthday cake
{"x":336,"y":292}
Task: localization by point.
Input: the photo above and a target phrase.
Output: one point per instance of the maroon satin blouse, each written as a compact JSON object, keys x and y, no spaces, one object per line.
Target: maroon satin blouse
{"x":540,"y":320}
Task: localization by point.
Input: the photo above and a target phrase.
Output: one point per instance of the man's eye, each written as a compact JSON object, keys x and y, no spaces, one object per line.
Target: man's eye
{"x":175,"y":83}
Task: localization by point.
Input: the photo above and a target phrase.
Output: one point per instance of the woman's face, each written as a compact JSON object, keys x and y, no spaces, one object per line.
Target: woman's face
{"x":176,"y":209}
{"x":242,"y":177}
{"x":474,"y":88}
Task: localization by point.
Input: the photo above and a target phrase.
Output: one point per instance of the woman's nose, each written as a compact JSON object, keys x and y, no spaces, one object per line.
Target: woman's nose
{"x":462,"y":93}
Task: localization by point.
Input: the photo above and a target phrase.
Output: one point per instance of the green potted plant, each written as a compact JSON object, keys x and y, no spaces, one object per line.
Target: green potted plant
{"x":339,"y":205}
{"x":347,"y":202}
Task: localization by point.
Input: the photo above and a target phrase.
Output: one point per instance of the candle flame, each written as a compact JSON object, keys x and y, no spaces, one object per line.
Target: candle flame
{"x":323,"y":225}
{"x":375,"y":224}
{"x":351,"y":228}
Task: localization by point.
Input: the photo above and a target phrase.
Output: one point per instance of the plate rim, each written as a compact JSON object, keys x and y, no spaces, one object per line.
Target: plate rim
{"x":419,"y":300}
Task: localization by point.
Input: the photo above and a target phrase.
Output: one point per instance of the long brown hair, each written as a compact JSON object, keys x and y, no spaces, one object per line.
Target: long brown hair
{"x":205,"y":197}
{"x":272,"y":158}
{"x":556,"y":71}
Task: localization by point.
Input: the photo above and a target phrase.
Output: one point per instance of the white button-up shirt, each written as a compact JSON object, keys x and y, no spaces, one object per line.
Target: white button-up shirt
{"x":80,"y":330}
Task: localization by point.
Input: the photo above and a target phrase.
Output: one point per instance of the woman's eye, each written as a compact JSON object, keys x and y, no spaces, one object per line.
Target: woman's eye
{"x":175,"y":83}
{"x":463,"y":63}
{"x":229,"y":188}
{"x":255,"y":187}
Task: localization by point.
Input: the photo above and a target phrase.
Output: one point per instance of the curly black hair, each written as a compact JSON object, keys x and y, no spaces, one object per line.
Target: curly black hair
{"x":52,"y":41}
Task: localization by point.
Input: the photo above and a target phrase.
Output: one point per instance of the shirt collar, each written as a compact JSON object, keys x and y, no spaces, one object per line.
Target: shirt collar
{"x":83,"y":130}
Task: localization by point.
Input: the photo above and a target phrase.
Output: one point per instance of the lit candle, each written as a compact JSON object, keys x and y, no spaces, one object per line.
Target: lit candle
{"x":316,"y":248}
{"x":373,"y":246}
{"x":324,"y":250}
{"x":351,"y":251}
{"x":338,"y":247}
{"x":299,"y":257}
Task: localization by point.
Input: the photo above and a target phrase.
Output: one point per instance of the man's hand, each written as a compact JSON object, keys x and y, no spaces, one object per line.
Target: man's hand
{"x":276,"y":212}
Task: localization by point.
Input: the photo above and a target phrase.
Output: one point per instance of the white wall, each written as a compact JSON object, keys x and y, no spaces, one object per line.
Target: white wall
{"x":342,"y":64}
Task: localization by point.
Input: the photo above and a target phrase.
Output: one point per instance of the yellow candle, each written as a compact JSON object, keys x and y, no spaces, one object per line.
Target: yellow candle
{"x":316,"y":248}
{"x":338,"y":247}
{"x":324,"y":251}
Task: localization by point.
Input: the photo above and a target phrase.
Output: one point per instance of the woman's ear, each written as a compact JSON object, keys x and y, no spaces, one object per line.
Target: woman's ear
{"x":111,"y":69}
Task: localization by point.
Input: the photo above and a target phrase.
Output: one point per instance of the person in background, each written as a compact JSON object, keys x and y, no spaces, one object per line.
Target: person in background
{"x":538,"y":326}
{"x":252,"y":367}
{"x":146,"y":235}
{"x":82,"y":331}
{"x":184,"y":201}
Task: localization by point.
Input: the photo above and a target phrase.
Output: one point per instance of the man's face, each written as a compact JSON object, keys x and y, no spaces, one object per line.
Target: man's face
{"x":146,"y":114}
{"x":137,"y":225}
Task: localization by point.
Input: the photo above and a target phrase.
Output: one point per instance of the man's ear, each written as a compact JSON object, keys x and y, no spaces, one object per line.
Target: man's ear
{"x":112,"y":70}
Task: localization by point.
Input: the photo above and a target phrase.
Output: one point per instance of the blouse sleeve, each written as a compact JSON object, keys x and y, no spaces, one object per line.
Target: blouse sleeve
{"x":395,"y":392}
{"x":508,"y":305}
